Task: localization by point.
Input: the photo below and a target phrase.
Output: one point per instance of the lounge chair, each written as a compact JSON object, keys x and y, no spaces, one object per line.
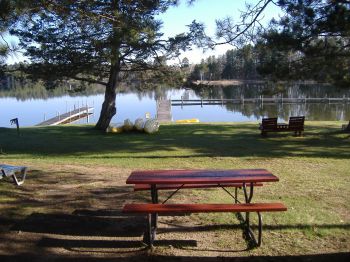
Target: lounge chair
{"x":13,"y":171}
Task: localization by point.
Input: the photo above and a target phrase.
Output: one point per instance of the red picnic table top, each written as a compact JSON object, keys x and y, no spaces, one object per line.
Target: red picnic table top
{"x":201,"y":176}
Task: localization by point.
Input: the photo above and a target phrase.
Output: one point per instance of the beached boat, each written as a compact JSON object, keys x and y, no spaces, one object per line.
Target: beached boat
{"x":193,"y":120}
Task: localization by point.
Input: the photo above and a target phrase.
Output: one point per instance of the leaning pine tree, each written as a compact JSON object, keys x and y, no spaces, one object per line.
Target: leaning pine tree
{"x":95,"y":41}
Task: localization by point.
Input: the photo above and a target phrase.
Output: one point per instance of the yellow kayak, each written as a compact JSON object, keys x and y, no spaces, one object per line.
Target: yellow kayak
{"x":193,"y":120}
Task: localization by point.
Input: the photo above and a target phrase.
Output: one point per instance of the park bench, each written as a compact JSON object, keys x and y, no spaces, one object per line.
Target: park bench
{"x":295,"y":124}
{"x":13,"y":171}
{"x":174,"y":209}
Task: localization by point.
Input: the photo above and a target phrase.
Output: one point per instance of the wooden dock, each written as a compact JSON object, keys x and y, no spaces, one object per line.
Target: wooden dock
{"x":164,"y":111}
{"x":68,"y":117}
{"x":261,"y":100}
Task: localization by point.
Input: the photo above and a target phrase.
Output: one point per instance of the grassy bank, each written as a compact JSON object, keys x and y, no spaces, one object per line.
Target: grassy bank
{"x":78,"y":174}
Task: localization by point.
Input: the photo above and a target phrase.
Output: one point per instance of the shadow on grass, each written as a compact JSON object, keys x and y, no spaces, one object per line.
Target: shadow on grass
{"x":84,"y":224}
{"x":175,"y":141}
{"x":77,"y":225}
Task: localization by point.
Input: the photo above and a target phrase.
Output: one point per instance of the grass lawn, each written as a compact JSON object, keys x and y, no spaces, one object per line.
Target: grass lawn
{"x":69,"y":206}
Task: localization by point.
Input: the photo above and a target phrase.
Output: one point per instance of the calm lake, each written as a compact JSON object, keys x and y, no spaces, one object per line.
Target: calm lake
{"x":33,"y":106}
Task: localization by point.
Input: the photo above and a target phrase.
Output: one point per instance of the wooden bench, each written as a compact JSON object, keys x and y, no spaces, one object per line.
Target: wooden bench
{"x":295,"y":124}
{"x":173,"y":209}
{"x":12,"y":171}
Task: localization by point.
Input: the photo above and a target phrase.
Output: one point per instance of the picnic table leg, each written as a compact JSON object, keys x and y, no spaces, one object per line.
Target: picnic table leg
{"x":250,"y":233}
{"x":248,"y":199}
{"x":236,"y":195}
{"x":152,"y":218}
{"x":149,"y":235}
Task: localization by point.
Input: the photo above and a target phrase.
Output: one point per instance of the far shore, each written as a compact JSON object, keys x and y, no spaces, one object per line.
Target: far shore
{"x":237,"y":82}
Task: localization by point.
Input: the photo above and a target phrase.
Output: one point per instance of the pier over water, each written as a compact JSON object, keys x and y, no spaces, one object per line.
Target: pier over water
{"x":68,"y":117}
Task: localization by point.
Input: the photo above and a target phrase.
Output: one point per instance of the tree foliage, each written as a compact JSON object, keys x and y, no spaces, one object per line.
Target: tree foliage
{"x":240,"y":63}
{"x":9,"y":11}
{"x":310,"y":41}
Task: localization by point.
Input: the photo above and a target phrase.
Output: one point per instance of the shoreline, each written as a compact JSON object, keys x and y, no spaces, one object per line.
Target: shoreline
{"x":237,"y":82}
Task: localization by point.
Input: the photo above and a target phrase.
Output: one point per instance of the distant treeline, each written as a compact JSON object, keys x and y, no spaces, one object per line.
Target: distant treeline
{"x":234,"y":64}
{"x":261,"y":62}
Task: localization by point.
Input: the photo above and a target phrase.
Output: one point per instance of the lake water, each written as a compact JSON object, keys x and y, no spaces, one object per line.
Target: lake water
{"x":32,"y":109}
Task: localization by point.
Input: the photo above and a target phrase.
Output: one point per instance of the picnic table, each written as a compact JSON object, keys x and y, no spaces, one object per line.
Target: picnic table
{"x":155,"y":180}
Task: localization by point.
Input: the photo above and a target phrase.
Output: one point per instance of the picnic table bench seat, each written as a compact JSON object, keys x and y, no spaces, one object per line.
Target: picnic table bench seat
{"x":13,"y":171}
{"x":173,"y":209}
{"x":295,"y":124}
{"x":202,"y":208}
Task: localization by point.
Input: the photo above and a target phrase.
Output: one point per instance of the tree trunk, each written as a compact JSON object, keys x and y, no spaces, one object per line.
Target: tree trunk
{"x":108,"y":109}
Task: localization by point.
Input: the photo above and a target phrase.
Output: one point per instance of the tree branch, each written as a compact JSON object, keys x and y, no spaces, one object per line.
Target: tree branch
{"x":89,"y":80}
{"x":247,"y":26}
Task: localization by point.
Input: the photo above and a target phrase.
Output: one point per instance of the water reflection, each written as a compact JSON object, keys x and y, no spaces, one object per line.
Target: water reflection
{"x":255,"y":111}
{"x":30,"y":104}
{"x":267,"y":90}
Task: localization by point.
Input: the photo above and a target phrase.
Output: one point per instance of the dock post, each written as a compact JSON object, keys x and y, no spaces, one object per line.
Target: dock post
{"x":87,"y":113}
{"x":93,"y":109}
{"x":201,"y":102}
{"x":282,"y":99}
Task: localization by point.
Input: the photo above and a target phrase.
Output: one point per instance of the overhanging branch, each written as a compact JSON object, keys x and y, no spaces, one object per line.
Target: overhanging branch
{"x":89,"y":80}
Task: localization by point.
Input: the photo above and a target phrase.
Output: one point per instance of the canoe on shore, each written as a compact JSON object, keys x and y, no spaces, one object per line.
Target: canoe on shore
{"x":193,"y":120}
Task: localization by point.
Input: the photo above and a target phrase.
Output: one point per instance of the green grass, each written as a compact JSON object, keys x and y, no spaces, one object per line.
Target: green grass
{"x":314,"y":172}
{"x":174,"y":143}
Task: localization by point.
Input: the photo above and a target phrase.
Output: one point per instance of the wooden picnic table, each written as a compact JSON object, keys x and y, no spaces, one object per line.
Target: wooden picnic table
{"x":178,"y":179}
{"x":200,"y":177}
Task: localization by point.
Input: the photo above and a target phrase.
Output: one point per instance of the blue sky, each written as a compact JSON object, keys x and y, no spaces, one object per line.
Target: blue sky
{"x":206,"y":11}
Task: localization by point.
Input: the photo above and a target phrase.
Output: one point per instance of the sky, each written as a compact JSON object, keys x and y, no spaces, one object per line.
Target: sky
{"x":208,"y":11}
{"x":176,"y":19}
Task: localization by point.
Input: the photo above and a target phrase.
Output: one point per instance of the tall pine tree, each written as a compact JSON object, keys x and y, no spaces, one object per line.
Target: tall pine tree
{"x":95,"y":41}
